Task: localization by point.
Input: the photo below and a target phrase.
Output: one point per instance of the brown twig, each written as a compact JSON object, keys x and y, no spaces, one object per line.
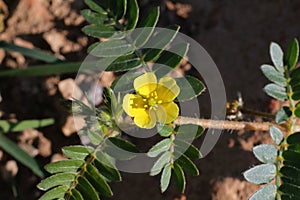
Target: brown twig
{"x":231,"y":125}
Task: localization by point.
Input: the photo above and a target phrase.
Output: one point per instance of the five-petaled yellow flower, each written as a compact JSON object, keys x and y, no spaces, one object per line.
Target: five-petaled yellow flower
{"x":153,"y":101}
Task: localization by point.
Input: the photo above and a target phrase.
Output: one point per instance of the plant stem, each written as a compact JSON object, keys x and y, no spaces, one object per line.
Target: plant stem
{"x":82,"y":170}
{"x":232,"y":125}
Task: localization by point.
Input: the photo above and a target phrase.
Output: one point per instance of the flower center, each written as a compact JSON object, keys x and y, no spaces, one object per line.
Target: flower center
{"x":152,"y":101}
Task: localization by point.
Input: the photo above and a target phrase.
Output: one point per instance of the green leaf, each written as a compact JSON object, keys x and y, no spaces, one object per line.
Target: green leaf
{"x":146,"y":28}
{"x":94,"y":6}
{"x":190,"y":87}
{"x":179,"y":177}
{"x":160,"y":147}
{"x":295,"y":147}
{"x":97,"y":181}
{"x":120,"y":149}
{"x":20,"y":155}
{"x":187,"y":164}
{"x":292,"y":163}
{"x":187,"y":148}
{"x":92,"y":17}
{"x":86,"y":189}
{"x":295,"y":77}
{"x":6,"y":126}
{"x":164,"y":130}
{"x":294,"y":138}
{"x":277,"y":56}
{"x":64,"y":166}
{"x":124,"y":144}
{"x":98,"y":31}
{"x":291,"y":54}
{"x":106,"y":167}
{"x":170,"y":59}
{"x":118,"y":7}
{"x":158,"y":43}
{"x":55,"y":193}
{"x":297,"y":110}
{"x":261,"y":173}
{"x":33,"y":53}
{"x":276,"y":134}
{"x":283,"y":115}
{"x":75,"y":195}
{"x":189,"y":131}
{"x":95,"y":138}
{"x":290,"y":175}
{"x":77,"y":152}
{"x":266,"y":193}
{"x":291,"y":190}
{"x":160,"y":163}
{"x":132,"y":14}
{"x":122,"y":63}
{"x":112,"y":48}
{"x":62,"y":179}
{"x":165,"y":178}
{"x":266,"y":153}
{"x":124,"y":83}
{"x":296,"y":96}
{"x":273,"y":75}
{"x":44,"y":70}
{"x":276,"y":91}
{"x":291,"y":156}
{"x":289,"y":197}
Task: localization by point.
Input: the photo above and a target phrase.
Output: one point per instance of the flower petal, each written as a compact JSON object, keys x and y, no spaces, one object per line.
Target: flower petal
{"x":167,"y":89}
{"x":133,"y":104}
{"x":145,"y":119}
{"x":167,"y":112}
{"x":145,"y":84}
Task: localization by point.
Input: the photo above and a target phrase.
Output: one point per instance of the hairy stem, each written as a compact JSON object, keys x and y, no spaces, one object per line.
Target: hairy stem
{"x":224,"y":124}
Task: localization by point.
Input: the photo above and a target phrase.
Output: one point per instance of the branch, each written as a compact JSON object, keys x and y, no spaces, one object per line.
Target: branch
{"x":231,"y":125}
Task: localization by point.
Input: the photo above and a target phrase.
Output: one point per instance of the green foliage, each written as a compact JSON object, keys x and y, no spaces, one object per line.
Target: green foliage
{"x":165,"y":177}
{"x":43,"y":70}
{"x":179,"y":177}
{"x":267,"y":193}
{"x":33,"y":53}
{"x":87,"y":172}
{"x":57,"y":65}
{"x":291,"y":170}
{"x":276,"y":134}
{"x":19,"y":154}
{"x":175,"y":154}
{"x":276,"y":91}
{"x":164,"y":130}
{"x":292,"y":53}
{"x":266,"y":153}
{"x":6,"y":126}
{"x":283,"y":115}
{"x":188,"y":84}
{"x":273,"y":75}
{"x":13,"y":149}
{"x":281,"y":161}
{"x":260,"y":174}
{"x":132,"y":50}
{"x":160,"y":147}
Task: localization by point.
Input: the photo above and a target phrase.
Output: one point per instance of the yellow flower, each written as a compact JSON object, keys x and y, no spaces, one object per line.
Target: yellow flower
{"x":153,"y":102}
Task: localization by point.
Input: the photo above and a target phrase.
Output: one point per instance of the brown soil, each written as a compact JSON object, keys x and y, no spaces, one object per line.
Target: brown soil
{"x":235,"y":33}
